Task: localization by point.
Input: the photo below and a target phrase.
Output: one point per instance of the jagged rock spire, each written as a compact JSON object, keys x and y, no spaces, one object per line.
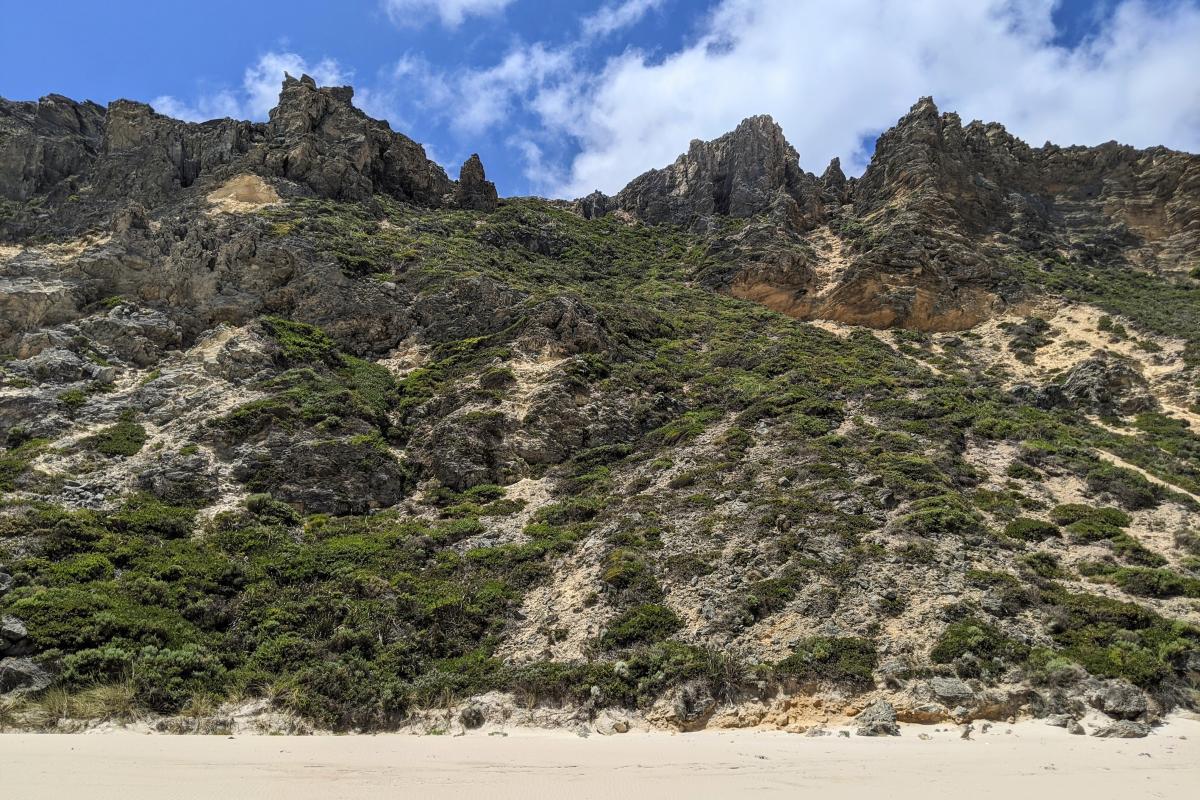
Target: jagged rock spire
{"x":474,"y":190}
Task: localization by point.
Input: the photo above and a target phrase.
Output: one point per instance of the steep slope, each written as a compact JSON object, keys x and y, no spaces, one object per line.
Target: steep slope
{"x":294,"y":425}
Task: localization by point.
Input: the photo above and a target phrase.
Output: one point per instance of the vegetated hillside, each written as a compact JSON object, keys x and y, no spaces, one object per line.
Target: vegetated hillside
{"x":296,"y":429}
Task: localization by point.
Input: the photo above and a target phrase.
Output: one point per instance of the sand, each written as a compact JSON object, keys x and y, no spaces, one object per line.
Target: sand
{"x":1023,"y":761}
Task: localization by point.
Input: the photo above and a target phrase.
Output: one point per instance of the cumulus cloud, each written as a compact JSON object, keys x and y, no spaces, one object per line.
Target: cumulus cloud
{"x":259,"y":91}
{"x":612,"y":17}
{"x":834,"y":73}
{"x":452,"y":13}
{"x":262,"y":80}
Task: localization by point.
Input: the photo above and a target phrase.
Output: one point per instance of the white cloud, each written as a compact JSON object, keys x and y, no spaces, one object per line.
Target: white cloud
{"x":262,"y":80}
{"x":212,"y":106}
{"x":452,"y":13}
{"x":259,"y":93}
{"x":613,"y":17}
{"x":831,"y":73}
{"x":473,"y":100}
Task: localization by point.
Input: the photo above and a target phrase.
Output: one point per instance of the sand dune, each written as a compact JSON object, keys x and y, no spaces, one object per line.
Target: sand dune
{"x":1027,"y":760}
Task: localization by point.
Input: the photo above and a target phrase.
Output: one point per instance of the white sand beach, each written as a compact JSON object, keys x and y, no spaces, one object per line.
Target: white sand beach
{"x":1026,"y":761}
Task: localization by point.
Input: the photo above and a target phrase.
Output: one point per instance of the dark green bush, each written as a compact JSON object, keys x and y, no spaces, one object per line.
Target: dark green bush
{"x":1031,"y":530}
{"x":846,"y":659}
{"x":144,"y":515}
{"x":1131,"y":490}
{"x":978,"y":638}
{"x":642,"y":624}
{"x":124,"y":439}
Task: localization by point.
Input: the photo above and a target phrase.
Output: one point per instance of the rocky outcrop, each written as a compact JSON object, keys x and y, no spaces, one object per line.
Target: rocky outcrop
{"x":1122,"y":729}
{"x":83,"y":163}
{"x":877,"y":719}
{"x":741,"y":174}
{"x":46,"y":144}
{"x":1108,"y":385}
{"x":922,"y":240}
{"x":317,"y":138}
{"x":22,"y":675}
{"x":474,"y":191}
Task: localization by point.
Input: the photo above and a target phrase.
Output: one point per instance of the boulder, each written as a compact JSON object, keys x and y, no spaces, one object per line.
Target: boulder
{"x":951,"y":691}
{"x":877,"y":719}
{"x":1122,"y":729}
{"x":22,"y":675}
{"x":472,"y":717}
{"x":12,"y":629}
{"x":1122,"y":700}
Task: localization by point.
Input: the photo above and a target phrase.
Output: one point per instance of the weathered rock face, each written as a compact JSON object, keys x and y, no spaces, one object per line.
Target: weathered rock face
{"x":317,"y":138}
{"x":515,"y":429}
{"x":877,"y":719}
{"x":923,"y":238}
{"x":316,"y":143}
{"x":741,"y":174}
{"x":45,"y":143}
{"x":474,"y":190}
{"x":149,"y":157}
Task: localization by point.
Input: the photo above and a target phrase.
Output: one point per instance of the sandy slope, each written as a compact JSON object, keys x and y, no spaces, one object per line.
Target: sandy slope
{"x":1032,"y":761}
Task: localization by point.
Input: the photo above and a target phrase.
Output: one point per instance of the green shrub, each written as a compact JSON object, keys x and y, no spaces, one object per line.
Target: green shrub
{"x":642,"y":624}
{"x":626,"y":571}
{"x":941,"y":515}
{"x":1112,"y":639}
{"x":1077,"y":512}
{"x":272,"y":511}
{"x":1144,"y":581}
{"x":1131,"y":490}
{"x":984,"y":641}
{"x":300,"y":343}
{"x":1031,"y":530}
{"x":684,"y":429}
{"x":72,"y":400}
{"x":575,"y":509}
{"x":124,"y":439}
{"x":15,"y":461}
{"x":1044,"y":565}
{"x":143,"y":515}
{"x":845,"y":659}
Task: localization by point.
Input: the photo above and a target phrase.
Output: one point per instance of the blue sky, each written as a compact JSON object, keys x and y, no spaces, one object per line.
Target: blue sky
{"x":561,"y":97}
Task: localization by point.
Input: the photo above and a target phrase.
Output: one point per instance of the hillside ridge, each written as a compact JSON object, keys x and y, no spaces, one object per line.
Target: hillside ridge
{"x":297,"y":433}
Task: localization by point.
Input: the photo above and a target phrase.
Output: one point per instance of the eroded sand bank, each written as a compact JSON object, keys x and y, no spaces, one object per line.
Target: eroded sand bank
{"x":1028,"y":760}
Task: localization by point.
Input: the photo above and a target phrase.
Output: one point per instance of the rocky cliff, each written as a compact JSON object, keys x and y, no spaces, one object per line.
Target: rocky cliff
{"x":920,"y":240}
{"x":293,"y":426}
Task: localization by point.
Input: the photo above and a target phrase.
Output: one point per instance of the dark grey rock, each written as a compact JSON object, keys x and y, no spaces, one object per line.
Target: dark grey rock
{"x":1122,"y":729}
{"x":877,"y":719}
{"x":1122,"y":701}
{"x":474,"y":191}
{"x":472,"y":717}
{"x":12,"y":629}
{"x":951,"y":690}
{"x":22,"y":675}
{"x":1108,"y":385}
